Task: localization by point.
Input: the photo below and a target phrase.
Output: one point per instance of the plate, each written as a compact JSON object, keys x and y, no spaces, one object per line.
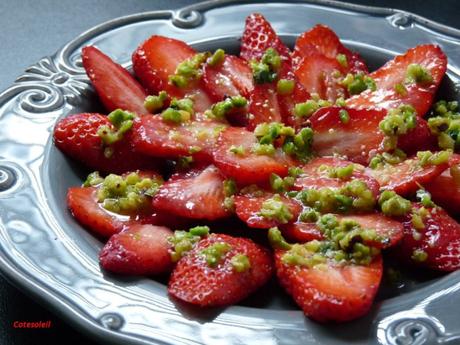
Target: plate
{"x":44,"y":251}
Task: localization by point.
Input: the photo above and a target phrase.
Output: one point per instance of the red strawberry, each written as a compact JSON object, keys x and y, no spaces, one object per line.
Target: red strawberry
{"x":114,"y":85}
{"x":418,"y":139}
{"x":419,"y":95}
{"x":83,"y":204}
{"x":301,"y":232}
{"x":247,"y":167}
{"x":248,"y":209}
{"x":195,"y":282}
{"x":232,"y":77}
{"x":358,"y":139}
{"x":258,"y":36}
{"x":77,"y":137}
{"x":322,"y":40}
{"x":436,"y":246}
{"x":445,"y":192}
{"x":263,"y":105}
{"x":407,"y":176}
{"x":155,"y":137}
{"x":315,"y":178}
{"x":331,"y":292}
{"x":139,"y":249}
{"x":199,"y":197}
{"x":156,"y":59}
{"x":315,"y":73}
{"x":389,"y":230}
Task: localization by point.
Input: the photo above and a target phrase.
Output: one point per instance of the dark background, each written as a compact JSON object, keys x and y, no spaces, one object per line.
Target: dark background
{"x":31,"y":29}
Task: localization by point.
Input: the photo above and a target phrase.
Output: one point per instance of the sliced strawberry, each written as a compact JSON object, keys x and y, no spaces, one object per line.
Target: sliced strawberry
{"x":419,"y":95}
{"x":248,"y":167}
{"x":436,"y":246}
{"x":301,"y":232}
{"x":429,"y":56}
{"x":248,"y":209}
{"x":287,"y":103}
{"x":156,"y":59}
{"x":195,"y":282}
{"x":313,"y":177}
{"x":445,"y":192}
{"x":322,"y":40}
{"x":77,"y":137}
{"x":114,"y":85}
{"x":418,"y":139}
{"x":232,"y":77}
{"x":407,"y":176}
{"x":263,"y":105}
{"x":389,"y":231}
{"x":83,"y":204}
{"x":155,"y":137}
{"x":315,"y":73}
{"x":199,"y":197}
{"x":139,"y":249}
{"x":331,"y":292}
{"x":358,"y":139}
{"x":258,"y":36}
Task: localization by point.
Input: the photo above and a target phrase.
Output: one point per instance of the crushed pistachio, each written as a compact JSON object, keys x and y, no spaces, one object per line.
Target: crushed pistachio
{"x":237,"y":150}
{"x":430,"y":158}
{"x":344,"y":116}
{"x":184,"y":162}
{"x":221,"y":109}
{"x":418,"y":74}
{"x":419,"y":255}
{"x":393,"y":204}
{"x":215,"y":253}
{"x":306,"y":108}
{"x":125,"y":195}
{"x":300,"y":145}
{"x":183,"y":241}
{"x":240,"y":263}
{"x":188,"y":70}
{"x":285,"y":86}
{"x":275,"y":209}
{"x":93,"y":179}
{"x":217,"y":58}
{"x":343,"y":173}
{"x":444,"y":122}
{"x":180,"y":110}
{"x":400,"y":89}
{"x":263,"y":149}
{"x":357,"y":83}
{"x":229,"y":187}
{"x":122,"y":121}
{"x":281,"y":185}
{"x":267,"y":133}
{"x":277,"y":240}
{"x":265,"y":71}
{"x":342,"y":60}
{"x":154,"y":104}
{"x":425,"y":198}
{"x":309,"y":215}
{"x":397,"y":156}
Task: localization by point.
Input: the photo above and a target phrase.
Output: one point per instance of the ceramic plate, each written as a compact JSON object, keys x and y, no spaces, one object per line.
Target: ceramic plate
{"x":44,"y":251}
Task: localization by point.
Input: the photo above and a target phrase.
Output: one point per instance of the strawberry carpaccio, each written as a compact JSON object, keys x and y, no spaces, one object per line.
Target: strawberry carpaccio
{"x":203,"y":154}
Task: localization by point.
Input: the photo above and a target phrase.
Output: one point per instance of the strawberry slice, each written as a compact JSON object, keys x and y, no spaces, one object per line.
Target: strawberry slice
{"x":258,"y":36}
{"x":406,"y":177}
{"x":199,"y":196}
{"x":77,"y":137}
{"x":445,"y":191}
{"x":263,"y":105}
{"x":358,"y":139}
{"x":389,"y":231}
{"x":436,"y":246}
{"x":138,"y":250}
{"x":114,"y":85}
{"x":418,"y":139}
{"x":83,"y":204}
{"x":314,"y":177}
{"x":248,"y":209}
{"x":232,"y":77}
{"x":331,"y":292}
{"x":155,"y":137}
{"x":156,"y":59}
{"x":315,"y":74}
{"x":322,"y":40}
{"x":247,"y":167}
{"x":394,"y":72}
{"x":225,"y":282}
